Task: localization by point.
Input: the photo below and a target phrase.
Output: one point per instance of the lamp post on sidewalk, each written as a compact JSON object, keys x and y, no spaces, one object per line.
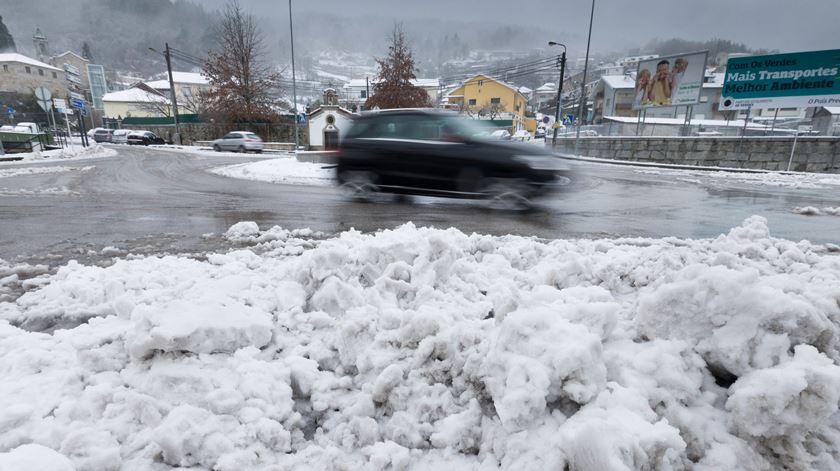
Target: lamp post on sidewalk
{"x":582,"y":108}
{"x":294,"y":82}
{"x":559,"y":90}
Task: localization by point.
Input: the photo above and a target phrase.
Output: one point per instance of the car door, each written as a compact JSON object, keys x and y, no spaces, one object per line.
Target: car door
{"x":438,"y":162}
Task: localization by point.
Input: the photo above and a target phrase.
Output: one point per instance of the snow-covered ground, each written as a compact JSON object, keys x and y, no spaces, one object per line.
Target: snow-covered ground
{"x":282,"y":170}
{"x":77,"y":152}
{"x":419,"y":348}
{"x":776,"y":179}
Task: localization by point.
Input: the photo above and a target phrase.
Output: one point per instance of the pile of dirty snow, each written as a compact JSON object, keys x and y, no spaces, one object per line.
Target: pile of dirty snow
{"x":418,"y":348}
{"x":281,"y":170}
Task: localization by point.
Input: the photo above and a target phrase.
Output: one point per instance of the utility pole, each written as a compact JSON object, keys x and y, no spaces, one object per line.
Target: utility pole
{"x":294,"y":84}
{"x":583,"y":83}
{"x":177,"y":137}
{"x":367,"y":90}
{"x":559,"y":90}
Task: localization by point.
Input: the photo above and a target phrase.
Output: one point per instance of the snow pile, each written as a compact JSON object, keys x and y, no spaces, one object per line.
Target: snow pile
{"x":77,"y":152}
{"x":419,"y":348}
{"x":18,"y":171}
{"x":283,"y":170}
{"x":813,"y":211}
{"x":766,"y":178}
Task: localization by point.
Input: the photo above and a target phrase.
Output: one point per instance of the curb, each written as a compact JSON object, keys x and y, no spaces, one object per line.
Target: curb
{"x":630,"y":163}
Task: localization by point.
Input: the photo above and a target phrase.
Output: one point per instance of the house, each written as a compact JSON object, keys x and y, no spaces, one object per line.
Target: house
{"x":827,"y":120}
{"x":328,"y":123}
{"x":613,"y":96}
{"x":188,"y":88}
{"x":545,"y":94}
{"x":355,"y":92}
{"x":75,"y":68}
{"x":136,"y":102}
{"x":487,"y":98}
{"x":22,"y":74}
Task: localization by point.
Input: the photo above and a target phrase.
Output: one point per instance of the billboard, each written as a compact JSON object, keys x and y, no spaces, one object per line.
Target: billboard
{"x":670,"y":81}
{"x":796,"y":80}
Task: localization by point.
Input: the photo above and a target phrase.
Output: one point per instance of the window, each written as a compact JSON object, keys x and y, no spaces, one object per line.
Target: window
{"x":28,"y":70}
{"x":480,"y":83}
{"x":41,"y":72}
{"x":55,"y":75}
{"x":363,"y":94}
{"x":5,"y":68}
{"x":495,"y":101}
{"x":704,"y":99}
{"x":472,"y":101}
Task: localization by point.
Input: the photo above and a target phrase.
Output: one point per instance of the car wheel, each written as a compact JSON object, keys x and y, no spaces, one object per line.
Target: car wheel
{"x":359,"y":185}
{"x":242,"y":149}
{"x":507,"y":194}
{"x":217,"y":148}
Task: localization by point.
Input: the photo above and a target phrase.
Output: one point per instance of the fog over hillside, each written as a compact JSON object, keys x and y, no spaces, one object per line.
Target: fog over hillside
{"x":120,"y":32}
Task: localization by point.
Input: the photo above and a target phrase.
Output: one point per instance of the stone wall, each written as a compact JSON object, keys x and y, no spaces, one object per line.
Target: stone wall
{"x":812,"y":154}
{"x":17,"y":80}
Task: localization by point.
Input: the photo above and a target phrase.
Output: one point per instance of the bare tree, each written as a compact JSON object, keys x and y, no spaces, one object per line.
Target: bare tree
{"x":393,"y":88}
{"x":242,"y":83}
{"x":493,"y":110}
{"x":153,"y":102}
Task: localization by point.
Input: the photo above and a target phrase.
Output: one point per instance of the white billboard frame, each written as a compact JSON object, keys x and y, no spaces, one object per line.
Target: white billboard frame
{"x":672,"y":60}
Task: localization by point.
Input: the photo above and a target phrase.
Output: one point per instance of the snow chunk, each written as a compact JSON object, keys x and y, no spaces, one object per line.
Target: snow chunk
{"x":242,"y":231}
{"x":35,"y":458}
{"x":197,"y":328}
{"x":190,"y":436}
{"x":789,"y":399}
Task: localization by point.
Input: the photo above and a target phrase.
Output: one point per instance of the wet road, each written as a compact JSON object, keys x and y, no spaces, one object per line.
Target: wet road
{"x":151,"y":201}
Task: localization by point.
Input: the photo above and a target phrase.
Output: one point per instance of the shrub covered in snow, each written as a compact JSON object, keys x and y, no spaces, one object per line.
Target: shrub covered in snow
{"x":419,"y":348}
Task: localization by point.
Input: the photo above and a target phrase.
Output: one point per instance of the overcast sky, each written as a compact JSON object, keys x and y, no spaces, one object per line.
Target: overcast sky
{"x":786,"y":25}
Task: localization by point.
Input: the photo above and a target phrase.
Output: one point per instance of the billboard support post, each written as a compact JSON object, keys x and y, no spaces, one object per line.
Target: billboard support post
{"x":792,"y":150}
{"x":773,"y":126}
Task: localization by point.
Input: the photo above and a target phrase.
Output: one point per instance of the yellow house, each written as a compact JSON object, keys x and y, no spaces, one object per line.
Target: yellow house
{"x":135,"y":102}
{"x":487,"y":96}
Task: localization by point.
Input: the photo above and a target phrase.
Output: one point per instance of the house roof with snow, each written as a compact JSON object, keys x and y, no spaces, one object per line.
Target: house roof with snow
{"x":70,"y":53}
{"x":525,"y":90}
{"x":181,"y":78}
{"x":134,"y":95}
{"x":15,"y":57}
{"x":335,"y":109}
{"x":547,"y":87}
{"x":618,"y":82}
{"x":421,"y":82}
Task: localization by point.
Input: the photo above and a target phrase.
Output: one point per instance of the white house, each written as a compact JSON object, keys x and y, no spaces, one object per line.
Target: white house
{"x":355,"y":92}
{"x":138,"y":102}
{"x":328,"y":123}
{"x":188,"y":86}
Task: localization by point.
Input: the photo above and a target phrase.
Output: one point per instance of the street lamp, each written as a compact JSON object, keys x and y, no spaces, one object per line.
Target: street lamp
{"x":583,"y":83}
{"x":559,"y":89}
{"x":294,"y":84}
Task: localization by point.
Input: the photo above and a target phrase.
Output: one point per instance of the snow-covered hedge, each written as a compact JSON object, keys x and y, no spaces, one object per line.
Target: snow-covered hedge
{"x":420,"y":348}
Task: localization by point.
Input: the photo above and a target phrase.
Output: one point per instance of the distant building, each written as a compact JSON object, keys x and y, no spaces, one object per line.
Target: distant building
{"x":22,"y":74}
{"x":328,"y":123}
{"x":355,"y":92}
{"x":545,"y":94}
{"x":485,"y":97}
{"x":188,"y":88}
{"x":137,"y":102}
{"x":827,"y":120}
{"x":42,"y":45}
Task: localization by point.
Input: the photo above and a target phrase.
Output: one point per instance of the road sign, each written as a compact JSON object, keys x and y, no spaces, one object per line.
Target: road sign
{"x":570,"y":118}
{"x":77,"y":103}
{"x":60,"y":104}
{"x":45,"y":104}
{"x":10,"y":111}
{"x":546,"y":119}
{"x":43,"y":94}
{"x":77,"y":96}
{"x":302,"y":118}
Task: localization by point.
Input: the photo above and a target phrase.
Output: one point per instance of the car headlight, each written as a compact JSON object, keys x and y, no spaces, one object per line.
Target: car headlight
{"x":541,"y":162}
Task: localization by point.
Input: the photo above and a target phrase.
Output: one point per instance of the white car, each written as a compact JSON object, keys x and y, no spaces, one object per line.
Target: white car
{"x":522,"y":136}
{"x":93,"y":131}
{"x":239,"y":141}
{"x":120,"y":136}
{"x":500,"y":134}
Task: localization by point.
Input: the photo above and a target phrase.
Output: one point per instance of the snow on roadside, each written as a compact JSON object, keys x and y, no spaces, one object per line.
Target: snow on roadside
{"x":776,"y":179}
{"x":419,"y":348}
{"x":281,"y":170}
{"x":813,"y":211}
{"x":78,"y":152}
{"x":18,"y":171}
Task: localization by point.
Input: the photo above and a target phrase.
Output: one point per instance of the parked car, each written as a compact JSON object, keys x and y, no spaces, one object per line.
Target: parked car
{"x":120,"y":136}
{"x":93,"y":131}
{"x":103,"y":135}
{"x":522,"y":136}
{"x":143,"y":138}
{"x":500,"y":134}
{"x":239,"y":141}
{"x":429,"y":152}
{"x":28,"y":128}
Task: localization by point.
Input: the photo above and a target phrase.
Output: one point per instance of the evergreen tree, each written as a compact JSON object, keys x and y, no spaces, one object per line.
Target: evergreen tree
{"x":393,"y":88}
{"x":7,"y":42}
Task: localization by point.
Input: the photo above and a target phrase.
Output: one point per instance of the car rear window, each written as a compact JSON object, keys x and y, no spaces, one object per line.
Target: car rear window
{"x":251,"y":135}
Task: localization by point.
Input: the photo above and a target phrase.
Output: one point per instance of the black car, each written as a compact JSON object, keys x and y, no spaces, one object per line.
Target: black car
{"x":144,"y":138}
{"x":429,"y":152}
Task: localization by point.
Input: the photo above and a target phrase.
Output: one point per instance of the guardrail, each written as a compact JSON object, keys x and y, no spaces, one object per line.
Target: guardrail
{"x":275,"y":146}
